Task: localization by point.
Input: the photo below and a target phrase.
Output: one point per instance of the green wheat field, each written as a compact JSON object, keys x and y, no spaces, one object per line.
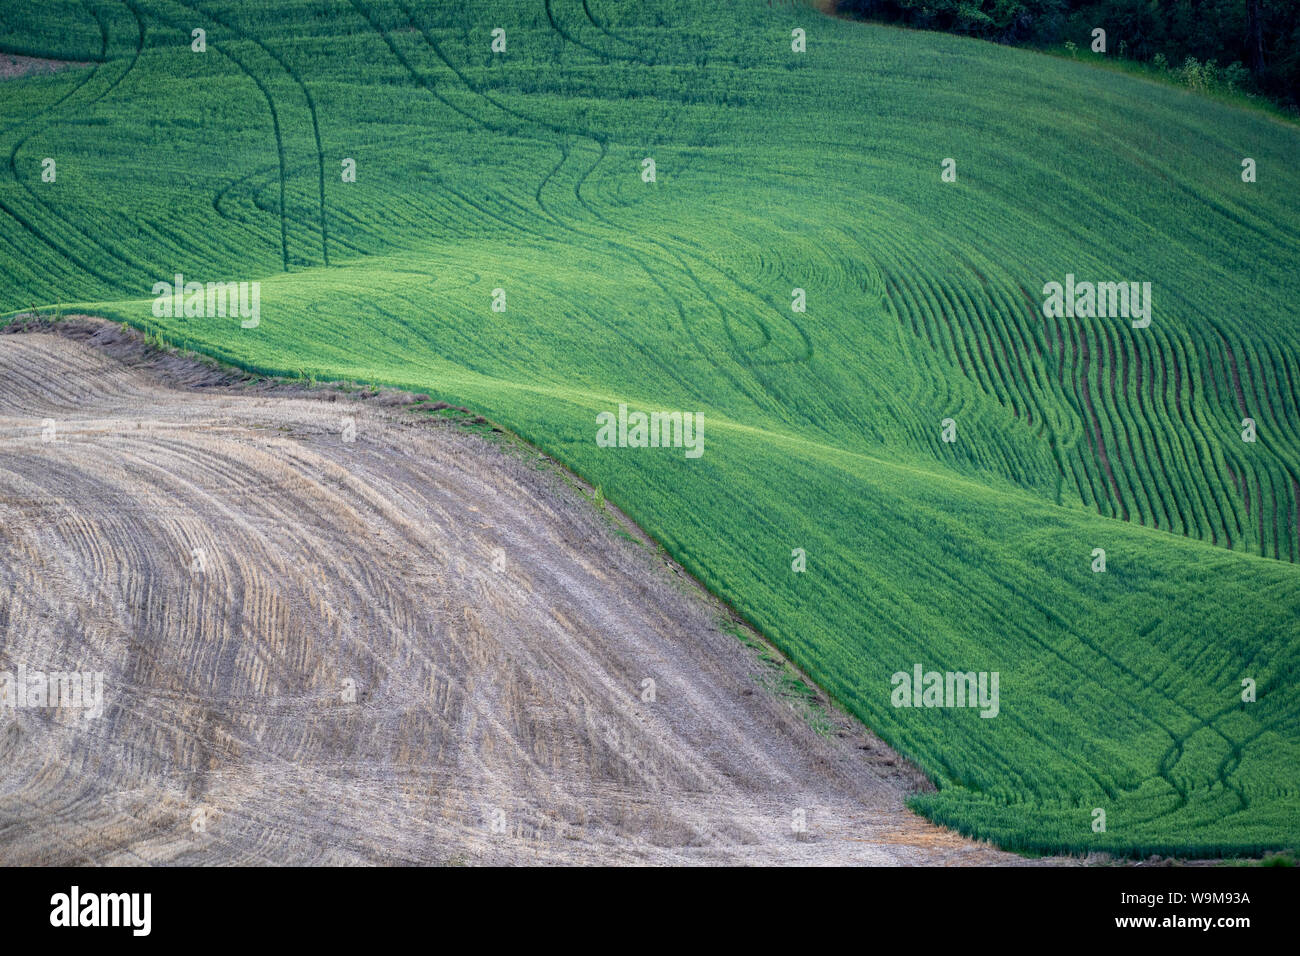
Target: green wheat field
{"x":517,"y":178}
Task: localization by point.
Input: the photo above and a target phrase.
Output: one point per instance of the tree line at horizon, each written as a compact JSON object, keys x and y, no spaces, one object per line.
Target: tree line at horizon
{"x":1248,"y":45}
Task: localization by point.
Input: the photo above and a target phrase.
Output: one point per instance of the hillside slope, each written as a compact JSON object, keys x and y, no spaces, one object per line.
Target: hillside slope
{"x":409,"y":646}
{"x":522,"y":171}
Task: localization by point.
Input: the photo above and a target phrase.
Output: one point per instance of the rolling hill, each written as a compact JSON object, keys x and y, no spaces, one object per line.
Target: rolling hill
{"x":504,"y":246}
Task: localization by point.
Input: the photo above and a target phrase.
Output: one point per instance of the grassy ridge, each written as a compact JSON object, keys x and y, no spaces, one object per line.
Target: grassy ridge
{"x":822,"y":429}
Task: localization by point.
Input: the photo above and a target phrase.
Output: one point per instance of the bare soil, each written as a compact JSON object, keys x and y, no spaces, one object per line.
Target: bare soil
{"x":13,"y":65}
{"x":423,"y":645}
